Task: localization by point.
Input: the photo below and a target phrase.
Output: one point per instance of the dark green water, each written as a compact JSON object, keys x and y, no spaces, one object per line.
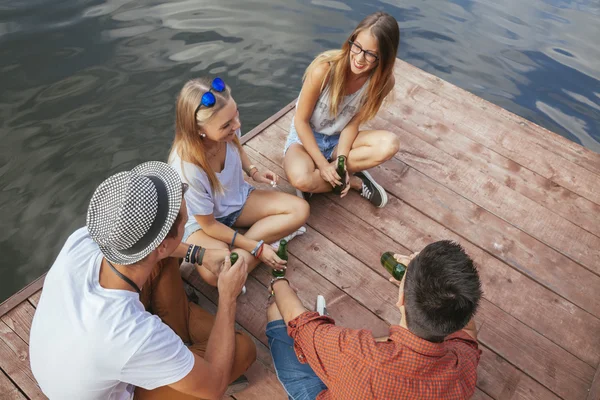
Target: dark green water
{"x":88,"y":87}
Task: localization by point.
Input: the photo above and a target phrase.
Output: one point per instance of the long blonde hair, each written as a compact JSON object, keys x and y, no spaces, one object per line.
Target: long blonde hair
{"x":385,"y":29}
{"x":188,"y":143}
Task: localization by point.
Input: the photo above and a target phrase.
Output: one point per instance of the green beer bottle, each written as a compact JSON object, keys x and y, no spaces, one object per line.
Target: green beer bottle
{"x":341,"y":171}
{"x":393,"y":267}
{"x":281,"y":253}
{"x":233,"y":257}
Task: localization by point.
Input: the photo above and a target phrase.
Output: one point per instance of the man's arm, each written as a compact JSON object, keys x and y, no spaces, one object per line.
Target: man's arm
{"x":210,"y":375}
{"x":315,"y":336}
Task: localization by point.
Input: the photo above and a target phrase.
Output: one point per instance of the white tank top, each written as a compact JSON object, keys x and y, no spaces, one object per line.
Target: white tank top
{"x":323,"y":122}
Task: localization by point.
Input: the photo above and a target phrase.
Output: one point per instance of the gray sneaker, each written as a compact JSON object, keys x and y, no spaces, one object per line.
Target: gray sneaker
{"x":371,"y":190}
{"x":237,"y":386}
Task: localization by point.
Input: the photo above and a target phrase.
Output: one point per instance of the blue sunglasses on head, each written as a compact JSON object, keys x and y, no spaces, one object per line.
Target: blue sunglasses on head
{"x":208,"y":99}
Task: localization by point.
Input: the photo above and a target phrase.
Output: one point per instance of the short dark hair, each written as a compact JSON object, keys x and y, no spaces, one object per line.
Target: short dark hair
{"x":441,"y":291}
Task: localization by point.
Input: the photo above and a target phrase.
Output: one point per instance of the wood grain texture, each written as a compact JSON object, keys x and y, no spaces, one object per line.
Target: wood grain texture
{"x":14,"y":361}
{"x":547,"y":144}
{"x":19,"y":320}
{"x":8,"y":390}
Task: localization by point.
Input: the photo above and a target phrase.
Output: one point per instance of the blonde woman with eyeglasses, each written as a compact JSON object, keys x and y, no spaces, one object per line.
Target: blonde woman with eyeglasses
{"x":343,"y":89}
{"x":208,"y":156}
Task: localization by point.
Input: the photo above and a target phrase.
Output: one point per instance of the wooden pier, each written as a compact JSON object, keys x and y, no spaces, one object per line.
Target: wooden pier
{"x":523,"y":201}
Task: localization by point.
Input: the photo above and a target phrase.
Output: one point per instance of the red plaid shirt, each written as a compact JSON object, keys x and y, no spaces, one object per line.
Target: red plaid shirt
{"x":354,"y":366}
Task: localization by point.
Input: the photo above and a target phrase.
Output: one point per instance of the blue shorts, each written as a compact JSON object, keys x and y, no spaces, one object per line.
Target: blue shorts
{"x":228,"y":220}
{"x":326,"y":143}
{"x":299,"y":380}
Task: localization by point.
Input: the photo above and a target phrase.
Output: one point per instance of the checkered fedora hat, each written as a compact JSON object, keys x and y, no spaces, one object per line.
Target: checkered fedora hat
{"x":131,"y":212}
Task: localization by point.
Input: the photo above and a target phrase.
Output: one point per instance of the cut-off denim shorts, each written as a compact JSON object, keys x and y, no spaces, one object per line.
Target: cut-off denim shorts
{"x":228,"y":220}
{"x":299,"y":380}
{"x":326,"y":143}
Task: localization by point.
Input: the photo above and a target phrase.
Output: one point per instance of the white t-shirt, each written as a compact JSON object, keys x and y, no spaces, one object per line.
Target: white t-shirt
{"x":88,"y":342}
{"x":199,"y":197}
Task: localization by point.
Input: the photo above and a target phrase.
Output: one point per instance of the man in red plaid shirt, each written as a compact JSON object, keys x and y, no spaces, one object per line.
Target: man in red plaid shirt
{"x":431,"y":354}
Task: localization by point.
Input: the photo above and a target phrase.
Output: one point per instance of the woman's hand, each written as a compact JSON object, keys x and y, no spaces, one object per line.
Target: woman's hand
{"x":329,"y":173}
{"x":268,"y":177}
{"x":269,"y":257}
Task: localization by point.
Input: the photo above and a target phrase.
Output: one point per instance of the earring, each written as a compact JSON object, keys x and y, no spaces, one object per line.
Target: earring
{"x":203,"y":135}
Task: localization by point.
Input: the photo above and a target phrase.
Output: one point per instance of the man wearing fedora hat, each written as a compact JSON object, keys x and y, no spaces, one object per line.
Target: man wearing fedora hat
{"x":113,"y":315}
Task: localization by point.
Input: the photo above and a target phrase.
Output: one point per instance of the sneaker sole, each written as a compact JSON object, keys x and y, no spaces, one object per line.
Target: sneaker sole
{"x":384,"y":196}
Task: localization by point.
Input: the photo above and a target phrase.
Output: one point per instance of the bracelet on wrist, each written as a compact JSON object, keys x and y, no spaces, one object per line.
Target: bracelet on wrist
{"x":188,"y":255}
{"x":258,"y":246}
{"x":250,"y":168}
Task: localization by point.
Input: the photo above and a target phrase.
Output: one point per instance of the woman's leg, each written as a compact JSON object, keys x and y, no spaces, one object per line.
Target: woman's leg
{"x":302,"y":172}
{"x":272,"y":215}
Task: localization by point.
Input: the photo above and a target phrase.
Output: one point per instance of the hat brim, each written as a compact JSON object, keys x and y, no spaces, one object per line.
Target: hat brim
{"x":169,"y":188}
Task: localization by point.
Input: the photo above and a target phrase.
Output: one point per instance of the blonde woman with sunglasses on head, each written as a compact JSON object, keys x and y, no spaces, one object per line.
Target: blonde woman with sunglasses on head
{"x":208,"y":156}
{"x":343,"y":89}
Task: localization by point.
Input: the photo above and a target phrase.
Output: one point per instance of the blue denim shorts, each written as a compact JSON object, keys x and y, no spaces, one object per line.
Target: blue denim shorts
{"x":326,"y":143}
{"x":228,"y":220}
{"x":299,"y":380}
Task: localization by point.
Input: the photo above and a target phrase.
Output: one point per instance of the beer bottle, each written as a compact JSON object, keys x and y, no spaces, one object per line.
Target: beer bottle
{"x":234,"y":257}
{"x":341,"y":171}
{"x":393,"y":267}
{"x":281,"y":253}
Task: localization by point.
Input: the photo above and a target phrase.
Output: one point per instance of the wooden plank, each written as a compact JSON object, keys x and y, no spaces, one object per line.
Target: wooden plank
{"x":480,"y":395}
{"x":500,"y":380}
{"x":34,"y":299}
{"x":8,"y":390}
{"x":523,"y":213}
{"x":19,"y":320}
{"x":14,"y":361}
{"x":594,"y":391}
{"x":266,"y":123}
{"x":512,"y":143}
{"x":21,"y":295}
{"x":447,"y":138}
{"x":543,"y":139}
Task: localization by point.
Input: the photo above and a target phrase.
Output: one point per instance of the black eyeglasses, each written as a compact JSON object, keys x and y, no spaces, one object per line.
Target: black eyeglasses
{"x":369,"y":56}
{"x":208,"y":99}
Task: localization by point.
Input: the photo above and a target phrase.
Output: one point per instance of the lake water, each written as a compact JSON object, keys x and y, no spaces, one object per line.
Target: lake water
{"x":88,"y":87}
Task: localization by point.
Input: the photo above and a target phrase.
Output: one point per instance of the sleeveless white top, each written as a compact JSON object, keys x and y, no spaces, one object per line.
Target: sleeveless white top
{"x":324,"y":123}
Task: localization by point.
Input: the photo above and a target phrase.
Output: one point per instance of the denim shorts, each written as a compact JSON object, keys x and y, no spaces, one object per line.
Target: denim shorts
{"x":326,"y":143}
{"x":228,"y":220}
{"x":299,"y":380}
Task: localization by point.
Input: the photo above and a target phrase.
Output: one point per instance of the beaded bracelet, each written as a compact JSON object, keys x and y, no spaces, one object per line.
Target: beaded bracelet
{"x":189,"y":253}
